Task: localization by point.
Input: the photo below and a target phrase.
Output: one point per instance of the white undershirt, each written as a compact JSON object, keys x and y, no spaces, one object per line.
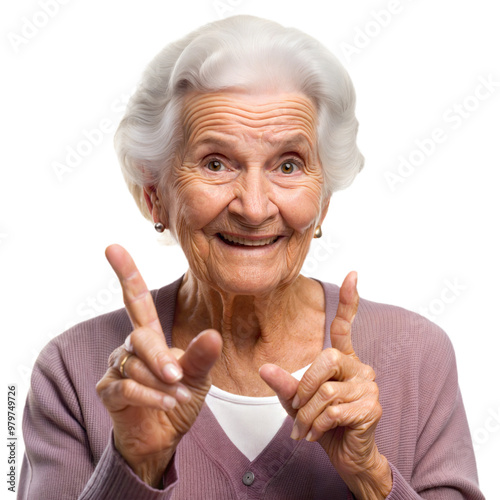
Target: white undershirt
{"x":250,"y":423}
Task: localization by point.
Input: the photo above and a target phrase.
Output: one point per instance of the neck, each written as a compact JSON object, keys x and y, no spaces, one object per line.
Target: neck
{"x":284,"y":326}
{"x":244,"y":320}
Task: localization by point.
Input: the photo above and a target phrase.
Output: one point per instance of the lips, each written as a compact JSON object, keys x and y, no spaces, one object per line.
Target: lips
{"x":231,"y":239}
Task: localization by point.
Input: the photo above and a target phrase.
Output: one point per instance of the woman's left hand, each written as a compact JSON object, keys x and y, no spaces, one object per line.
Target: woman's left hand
{"x":336,"y":403}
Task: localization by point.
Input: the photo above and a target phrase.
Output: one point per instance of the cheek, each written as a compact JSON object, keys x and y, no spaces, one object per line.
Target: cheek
{"x":196,"y":203}
{"x":300,"y":207}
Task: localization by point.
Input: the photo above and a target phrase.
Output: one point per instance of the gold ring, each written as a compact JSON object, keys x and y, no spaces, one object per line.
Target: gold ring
{"x":122,"y":365}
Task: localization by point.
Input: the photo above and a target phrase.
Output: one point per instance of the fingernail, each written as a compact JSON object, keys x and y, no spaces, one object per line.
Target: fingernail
{"x":182,"y":394}
{"x":296,"y":402}
{"x":309,"y":436}
{"x":295,"y":432}
{"x":168,"y":402}
{"x":171,"y":372}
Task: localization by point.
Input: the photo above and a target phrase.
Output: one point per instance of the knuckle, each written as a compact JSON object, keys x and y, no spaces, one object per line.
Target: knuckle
{"x":377,"y":411}
{"x":101,"y":386}
{"x":105,"y":391}
{"x":341,"y":325}
{"x":136,"y":337}
{"x":332,"y":415}
{"x":115,"y":356}
{"x":128,"y":389}
{"x":159,"y":358}
{"x":372,"y":410}
{"x":158,"y":354}
{"x":374,"y":389}
{"x":333,"y":356}
{"x":141,"y":334}
{"x":369,"y":373}
{"x":327,"y":392}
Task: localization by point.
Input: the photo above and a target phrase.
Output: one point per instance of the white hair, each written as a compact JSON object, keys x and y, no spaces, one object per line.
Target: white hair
{"x":243,"y":52}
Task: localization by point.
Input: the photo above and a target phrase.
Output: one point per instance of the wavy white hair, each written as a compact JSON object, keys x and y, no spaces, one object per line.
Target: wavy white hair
{"x":243,"y":52}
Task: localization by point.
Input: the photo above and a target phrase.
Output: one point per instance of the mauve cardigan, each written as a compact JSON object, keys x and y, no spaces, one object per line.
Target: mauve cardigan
{"x":423,"y":431}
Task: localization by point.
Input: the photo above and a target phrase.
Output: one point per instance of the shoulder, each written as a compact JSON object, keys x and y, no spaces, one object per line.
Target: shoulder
{"x":384,"y":333}
{"x":103,"y":332}
{"x":399,"y":327}
{"x":86,"y":346}
{"x":82,"y":352}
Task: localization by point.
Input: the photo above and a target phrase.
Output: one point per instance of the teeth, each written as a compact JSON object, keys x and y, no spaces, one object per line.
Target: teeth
{"x":248,"y":242}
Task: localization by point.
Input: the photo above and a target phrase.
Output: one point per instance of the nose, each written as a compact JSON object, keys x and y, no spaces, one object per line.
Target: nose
{"x":252,"y":202}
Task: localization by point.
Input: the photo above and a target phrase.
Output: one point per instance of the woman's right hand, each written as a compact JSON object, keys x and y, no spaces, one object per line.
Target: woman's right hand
{"x":162,"y":391}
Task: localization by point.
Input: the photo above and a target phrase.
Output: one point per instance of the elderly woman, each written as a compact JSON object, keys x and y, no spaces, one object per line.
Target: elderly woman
{"x":244,"y":379}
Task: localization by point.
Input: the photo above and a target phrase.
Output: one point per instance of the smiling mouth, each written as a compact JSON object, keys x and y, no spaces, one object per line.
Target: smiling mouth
{"x":238,"y":241}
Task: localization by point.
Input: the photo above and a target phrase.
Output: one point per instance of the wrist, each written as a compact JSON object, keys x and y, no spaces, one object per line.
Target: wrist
{"x":151,"y":472}
{"x":373,"y":482}
{"x":149,"y":469}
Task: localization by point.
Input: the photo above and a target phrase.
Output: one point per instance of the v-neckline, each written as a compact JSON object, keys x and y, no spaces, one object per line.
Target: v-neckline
{"x":167,"y":313}
{"x":216,"y":439}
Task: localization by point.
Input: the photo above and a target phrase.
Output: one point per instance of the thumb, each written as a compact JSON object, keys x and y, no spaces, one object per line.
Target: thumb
{"x":201,"y":354}
{"x":340,"y":329}
{"x":282,"y":383}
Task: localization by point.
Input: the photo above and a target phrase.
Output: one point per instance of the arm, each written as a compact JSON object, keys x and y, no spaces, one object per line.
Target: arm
{"x":58,"y":461}
{"x":444,"y":465}
{"x":151,"y":406}
{"x":336,"y":404}
{"x":153,"y":394}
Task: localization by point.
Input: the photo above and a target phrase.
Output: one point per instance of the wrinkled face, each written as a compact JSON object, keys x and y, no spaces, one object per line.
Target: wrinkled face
{"x":246,"y":197}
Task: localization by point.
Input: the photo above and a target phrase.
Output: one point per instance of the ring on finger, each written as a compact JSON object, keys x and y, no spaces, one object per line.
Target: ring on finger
{"x":122,"y":364}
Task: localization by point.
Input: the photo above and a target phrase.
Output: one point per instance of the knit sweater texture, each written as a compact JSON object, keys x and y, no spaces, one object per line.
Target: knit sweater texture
{"x":423,"y":431}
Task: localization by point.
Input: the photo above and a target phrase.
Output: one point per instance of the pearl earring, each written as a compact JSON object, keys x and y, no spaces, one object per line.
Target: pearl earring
{"x":159,"y":227}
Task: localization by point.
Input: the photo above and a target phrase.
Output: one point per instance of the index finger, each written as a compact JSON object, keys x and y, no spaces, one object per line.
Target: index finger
{"x":136,"y":295}
{"x":340,"y":330}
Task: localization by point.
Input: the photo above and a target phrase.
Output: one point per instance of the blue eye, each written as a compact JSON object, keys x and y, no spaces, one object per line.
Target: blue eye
{"x":215,"y":166}
{"x":288,"y":167}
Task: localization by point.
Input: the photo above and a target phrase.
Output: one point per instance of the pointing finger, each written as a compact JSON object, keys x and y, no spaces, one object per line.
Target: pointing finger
{"x":340,"y":330}
{"x":136,"y":296}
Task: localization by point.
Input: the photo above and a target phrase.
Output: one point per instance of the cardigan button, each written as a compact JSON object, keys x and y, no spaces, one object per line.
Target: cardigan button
{"x":248,"y":478}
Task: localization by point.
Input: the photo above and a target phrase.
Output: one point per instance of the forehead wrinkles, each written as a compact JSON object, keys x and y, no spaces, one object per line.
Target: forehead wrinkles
{"x":206,"y":112}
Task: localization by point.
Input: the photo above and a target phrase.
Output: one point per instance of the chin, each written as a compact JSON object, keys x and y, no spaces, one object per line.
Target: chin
{"x":250,"y":281}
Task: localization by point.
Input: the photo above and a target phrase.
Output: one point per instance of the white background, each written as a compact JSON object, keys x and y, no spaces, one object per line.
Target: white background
{"x":433,"y":237}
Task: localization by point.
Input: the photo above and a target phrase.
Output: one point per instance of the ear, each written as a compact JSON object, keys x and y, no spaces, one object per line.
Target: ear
{"x":148,"y":194}
{"x":154,"y":205}
{"x":324,"y":211}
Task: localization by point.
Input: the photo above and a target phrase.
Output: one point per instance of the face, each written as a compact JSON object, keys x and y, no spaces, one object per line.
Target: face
{"x":245,"y":198}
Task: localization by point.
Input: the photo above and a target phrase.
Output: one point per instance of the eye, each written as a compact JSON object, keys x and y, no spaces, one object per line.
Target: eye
{"x":215,"y":166}
{"x":288,"y":167}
